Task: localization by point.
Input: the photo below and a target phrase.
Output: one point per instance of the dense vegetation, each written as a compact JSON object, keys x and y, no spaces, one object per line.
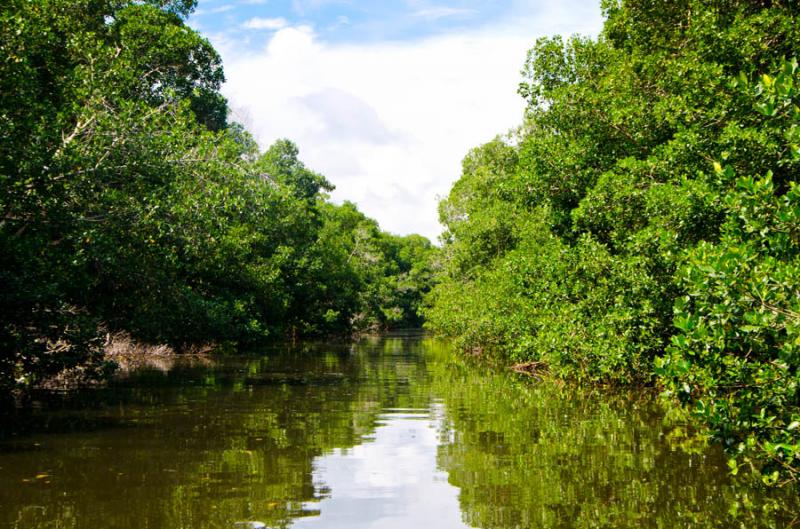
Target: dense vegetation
{"x":643,"y":225}
{"x":130,"y":202}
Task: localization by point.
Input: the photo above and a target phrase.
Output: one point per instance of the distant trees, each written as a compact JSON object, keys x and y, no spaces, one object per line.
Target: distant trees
{"x":641,"y":225}
{"x":129,"y":202}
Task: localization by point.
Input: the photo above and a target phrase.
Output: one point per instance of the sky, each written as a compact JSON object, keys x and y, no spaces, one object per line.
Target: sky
{"x":384,"y":98}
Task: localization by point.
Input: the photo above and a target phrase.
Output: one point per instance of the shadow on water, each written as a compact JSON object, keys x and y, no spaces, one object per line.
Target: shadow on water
{"x":389,"y":432}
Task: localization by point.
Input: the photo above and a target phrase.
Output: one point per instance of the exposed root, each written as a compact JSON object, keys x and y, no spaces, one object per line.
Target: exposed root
{"x":121,"y":345}
{"x":531,"y":369}
{"x":130,"y":355}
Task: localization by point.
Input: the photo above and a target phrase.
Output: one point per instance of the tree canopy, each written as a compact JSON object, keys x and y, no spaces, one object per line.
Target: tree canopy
{"x":641,"y":225}
{"x":131,"y":203}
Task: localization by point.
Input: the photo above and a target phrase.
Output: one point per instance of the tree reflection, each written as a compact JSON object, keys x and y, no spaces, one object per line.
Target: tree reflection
{"x":543,"y":455}
{"x":207,"y":445}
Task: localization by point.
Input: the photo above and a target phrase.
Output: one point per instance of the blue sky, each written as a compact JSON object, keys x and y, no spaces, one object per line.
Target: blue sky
{"x":351,"y":20}
{"x":384,"y":98}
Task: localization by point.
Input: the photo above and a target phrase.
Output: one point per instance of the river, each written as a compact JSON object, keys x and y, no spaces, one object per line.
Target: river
{"x":391,"y":432}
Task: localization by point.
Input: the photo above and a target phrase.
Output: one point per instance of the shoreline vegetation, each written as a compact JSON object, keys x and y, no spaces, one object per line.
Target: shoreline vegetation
{"x":132,"y":204}
{"x":642,"y":225}
{"x":640,"y":228}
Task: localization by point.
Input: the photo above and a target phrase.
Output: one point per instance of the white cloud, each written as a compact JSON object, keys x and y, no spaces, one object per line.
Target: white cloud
{"x":389,"y":123}
{"x":271,"y":24}
{"x":346,"y":117}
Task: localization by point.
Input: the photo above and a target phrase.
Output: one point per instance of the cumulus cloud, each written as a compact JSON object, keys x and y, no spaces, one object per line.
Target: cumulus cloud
{"x":389,"y":123}
{"x":346,"y":117}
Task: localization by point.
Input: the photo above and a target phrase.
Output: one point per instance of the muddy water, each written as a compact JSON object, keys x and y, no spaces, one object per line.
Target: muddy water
{"x":389,"y":433}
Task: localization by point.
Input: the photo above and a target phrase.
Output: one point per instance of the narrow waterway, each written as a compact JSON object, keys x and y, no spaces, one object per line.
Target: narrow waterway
{"x":389,"y":433}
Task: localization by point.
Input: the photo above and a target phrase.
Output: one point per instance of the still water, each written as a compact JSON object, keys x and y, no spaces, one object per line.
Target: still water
{"x":389,"y":433}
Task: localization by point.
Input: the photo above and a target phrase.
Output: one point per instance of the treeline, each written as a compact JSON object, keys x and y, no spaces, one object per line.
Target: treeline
{"x":643,"y":224}
{"x":130,"y":202}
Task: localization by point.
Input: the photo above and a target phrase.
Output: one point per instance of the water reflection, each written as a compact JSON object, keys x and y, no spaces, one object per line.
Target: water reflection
{"x":388,"y":433}
{"x":547,"y":455}
{"x":391,"y":480}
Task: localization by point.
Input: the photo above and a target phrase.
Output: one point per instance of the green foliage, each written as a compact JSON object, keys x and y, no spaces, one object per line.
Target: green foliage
{"x":734,"y":361}
{"x":388,"y":275}
{"x":616,"y":208}
{"x":128,"y":201}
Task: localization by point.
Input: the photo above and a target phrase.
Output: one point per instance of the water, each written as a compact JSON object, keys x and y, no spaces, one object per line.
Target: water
{"x":390,"y":433}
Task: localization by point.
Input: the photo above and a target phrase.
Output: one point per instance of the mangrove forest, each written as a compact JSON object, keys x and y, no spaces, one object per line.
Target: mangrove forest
{"x":194,"y":333}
